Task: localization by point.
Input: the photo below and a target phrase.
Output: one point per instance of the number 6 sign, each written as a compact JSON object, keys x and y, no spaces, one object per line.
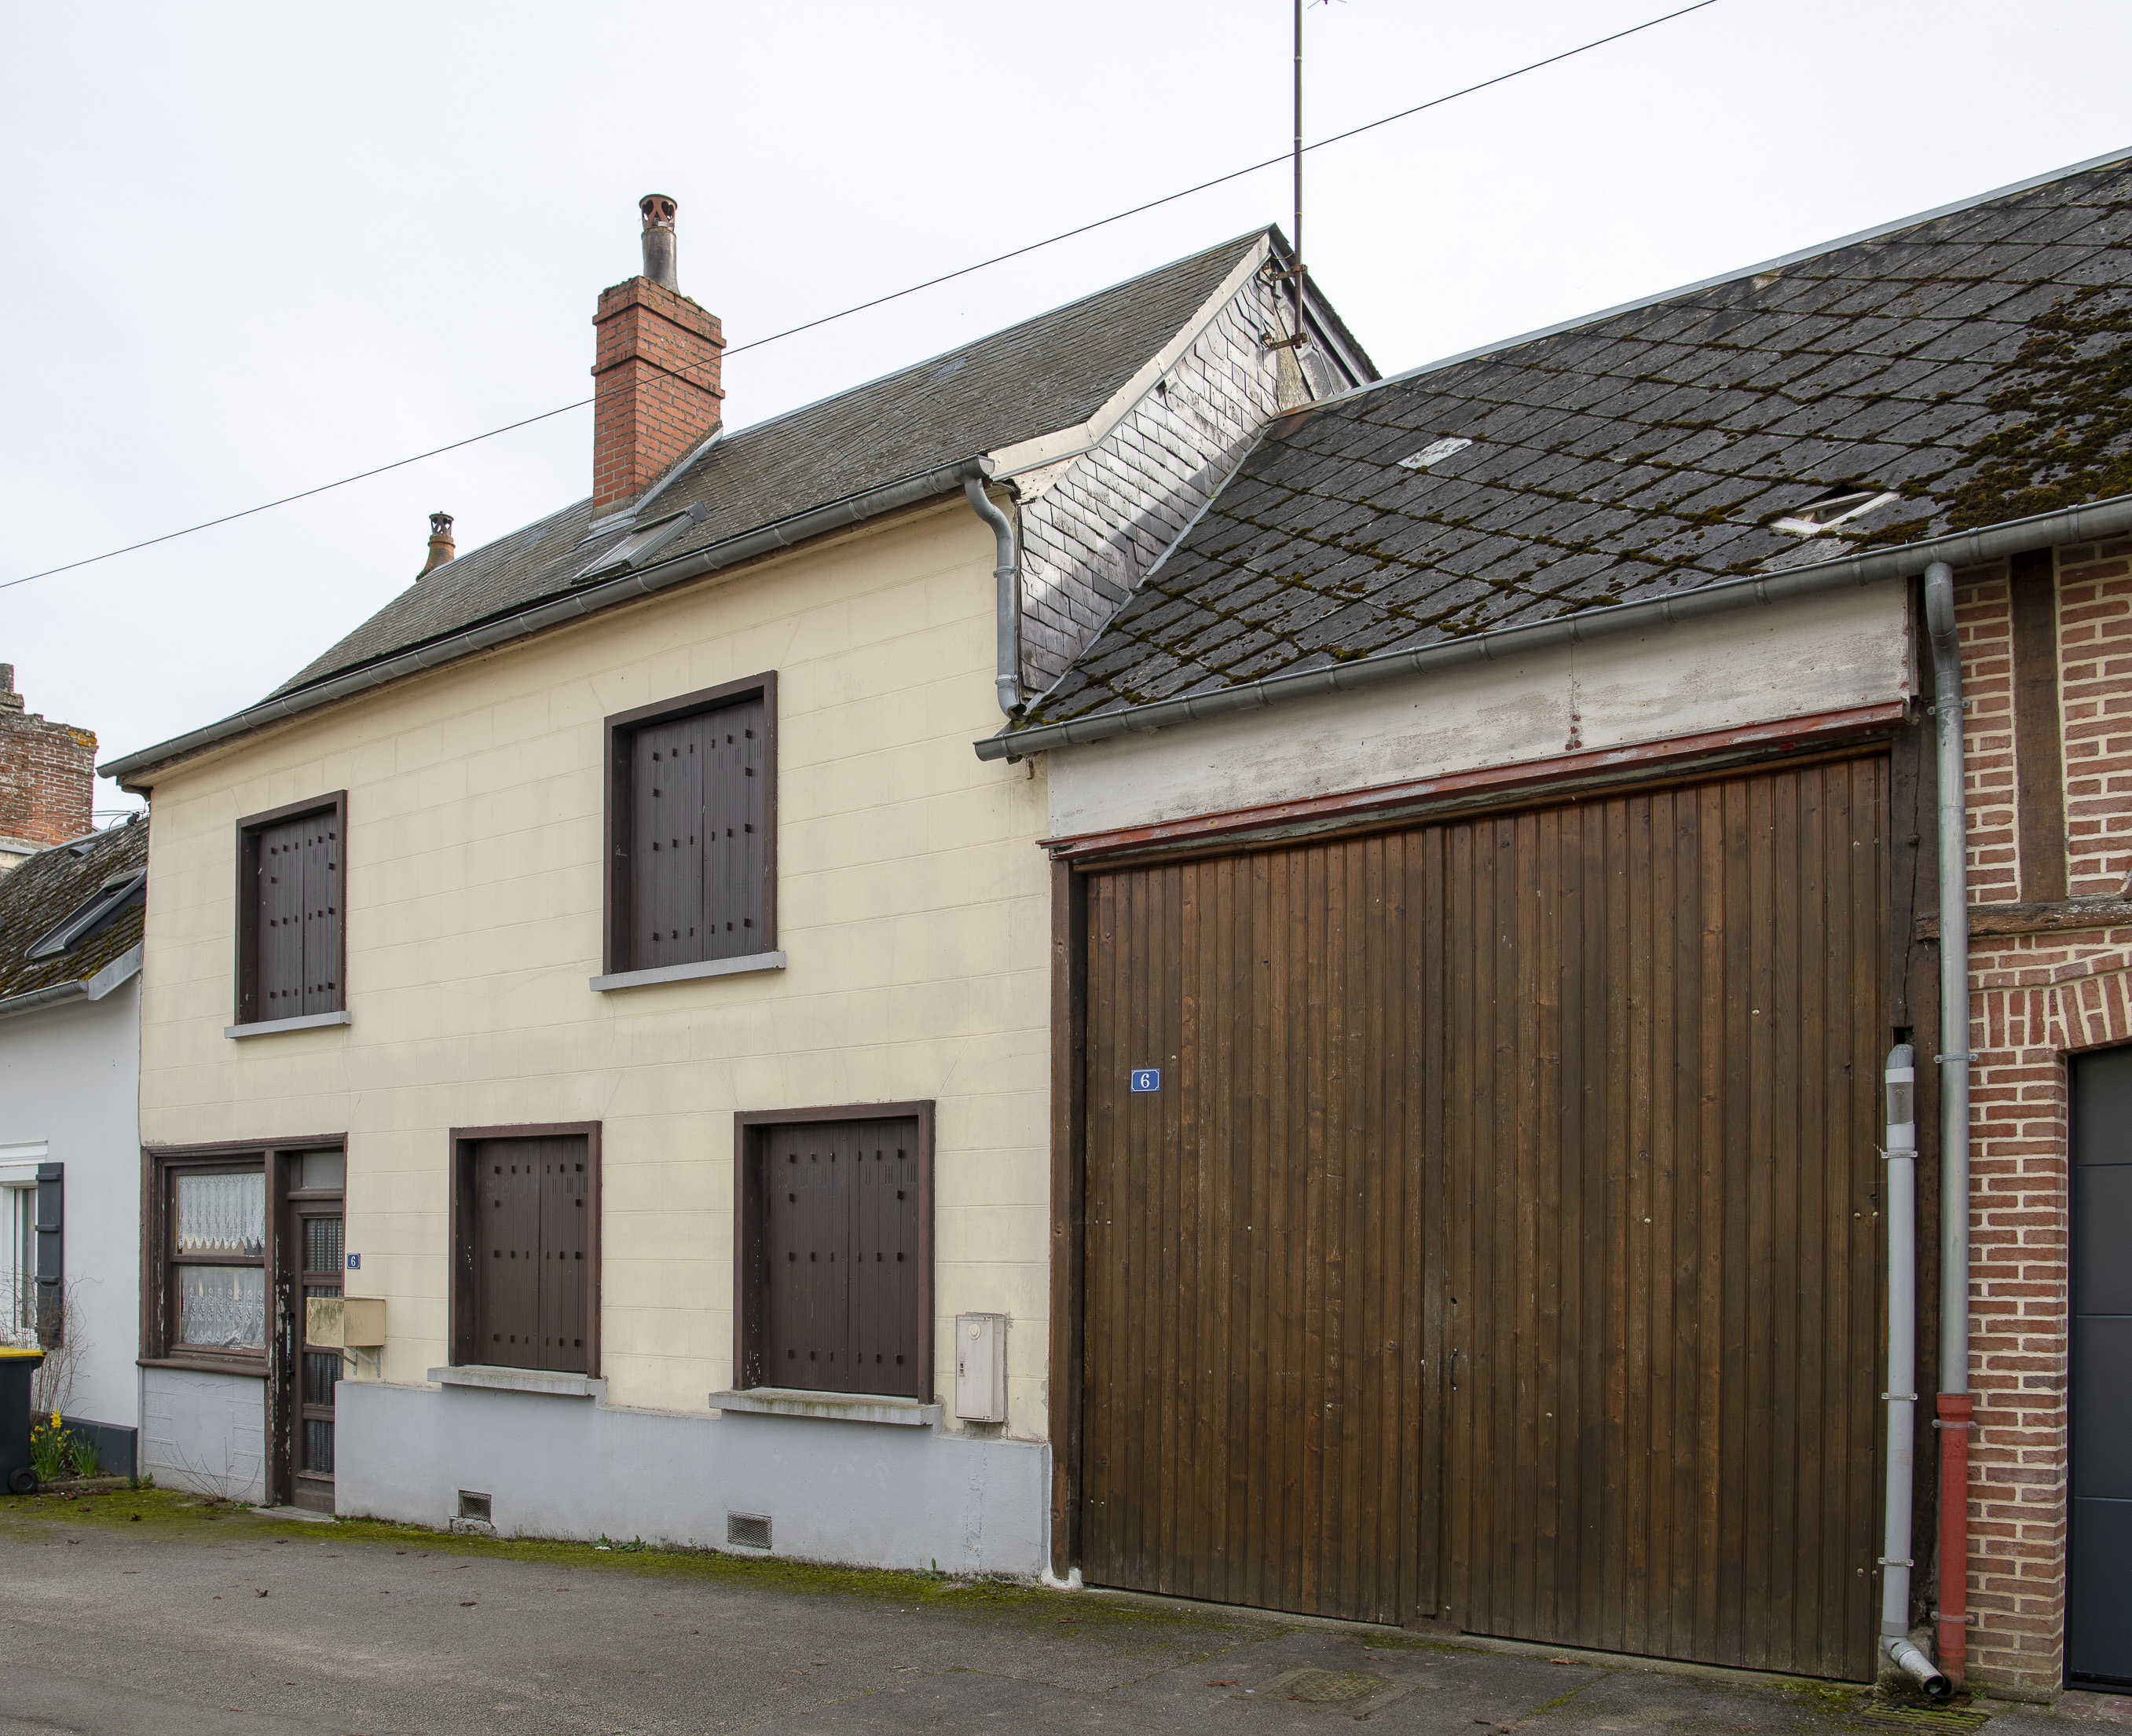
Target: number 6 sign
{"x":1147,"y":1079}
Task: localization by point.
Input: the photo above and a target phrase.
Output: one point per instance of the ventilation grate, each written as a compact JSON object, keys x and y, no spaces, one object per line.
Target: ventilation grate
{"x":473,"y":1506}
{"x":1941,"y":1720}
{"x":748,"y":1530}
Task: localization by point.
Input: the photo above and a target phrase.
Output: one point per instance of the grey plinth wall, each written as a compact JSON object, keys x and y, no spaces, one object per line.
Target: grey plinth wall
{"x":868,"y":1493}
{"x":205,"y":1431}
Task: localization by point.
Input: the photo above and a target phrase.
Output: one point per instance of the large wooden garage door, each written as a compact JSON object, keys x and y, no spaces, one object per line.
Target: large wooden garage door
{"x":1501,"y":1244}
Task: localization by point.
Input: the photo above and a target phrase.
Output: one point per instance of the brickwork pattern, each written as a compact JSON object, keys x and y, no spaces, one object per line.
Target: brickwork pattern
{"x":1089,"y":536}
{"x":47,"y":775}
{"x":656,"y":365}
{"x":2035,"y":999}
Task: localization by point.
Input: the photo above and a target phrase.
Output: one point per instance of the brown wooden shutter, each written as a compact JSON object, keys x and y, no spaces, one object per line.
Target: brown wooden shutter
{"x":886,"y":1289}
{"x":281,"y":918}
{"x":319,"y":856}
{"x":841,"y":1284}
{"x":563,"y":1232}
{"x":668,"y":844}
{"x":733,"y":783}
{"x":506,"y":1253}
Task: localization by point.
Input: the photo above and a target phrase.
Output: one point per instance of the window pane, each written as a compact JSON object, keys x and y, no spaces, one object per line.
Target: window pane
{"x":321,"y":1244}
{"x":222,"y":1306}
{"x":224,"y":1214}
{"x":322,"y":1169}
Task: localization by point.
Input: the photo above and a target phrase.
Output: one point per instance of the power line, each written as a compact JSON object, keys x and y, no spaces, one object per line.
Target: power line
{"x":793,"y":331}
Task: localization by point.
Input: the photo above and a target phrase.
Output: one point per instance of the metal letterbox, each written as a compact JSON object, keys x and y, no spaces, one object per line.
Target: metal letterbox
{"x":337,"y":1322}
{"x":981,"y":1367}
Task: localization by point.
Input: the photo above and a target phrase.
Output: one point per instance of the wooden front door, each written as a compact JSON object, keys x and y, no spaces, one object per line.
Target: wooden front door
{"x":1501,"y":1242}
{"x":309,"y":1256}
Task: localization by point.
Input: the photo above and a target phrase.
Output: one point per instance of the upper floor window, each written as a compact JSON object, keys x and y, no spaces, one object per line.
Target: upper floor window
{"x":291,"y":935}
{"x":692,"y":816}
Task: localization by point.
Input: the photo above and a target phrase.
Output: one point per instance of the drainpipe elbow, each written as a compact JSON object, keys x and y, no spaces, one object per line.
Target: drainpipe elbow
{"x":1007,"y":581}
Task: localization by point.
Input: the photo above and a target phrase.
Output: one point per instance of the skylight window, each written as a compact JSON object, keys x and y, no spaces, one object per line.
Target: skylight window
{"x":1819,"y":518}
{"x":89,"y":918}
{"x":639,"y":546}
{"x":1435,"y":453}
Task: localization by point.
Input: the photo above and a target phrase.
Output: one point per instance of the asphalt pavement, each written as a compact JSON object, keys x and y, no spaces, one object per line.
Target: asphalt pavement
{"x":197,"y":1618}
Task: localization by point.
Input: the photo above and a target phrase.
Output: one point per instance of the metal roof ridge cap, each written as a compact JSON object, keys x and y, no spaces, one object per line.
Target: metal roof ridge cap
{"x":1024,"y":455}
{"x":1857,"y":238}
{"x":2095,"y":519}
{"x":763,"y":540}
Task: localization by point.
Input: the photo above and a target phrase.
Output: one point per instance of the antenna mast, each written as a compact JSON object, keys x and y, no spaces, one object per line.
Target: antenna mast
{"x":1296,"y":282}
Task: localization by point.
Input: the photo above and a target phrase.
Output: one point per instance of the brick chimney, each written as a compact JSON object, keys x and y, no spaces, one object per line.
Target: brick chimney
{"x":441,"y":547}
{"x":47,"y":774}
{"x":656,"y":370}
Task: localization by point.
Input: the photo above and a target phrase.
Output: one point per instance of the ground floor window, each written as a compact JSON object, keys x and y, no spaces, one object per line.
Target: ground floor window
{"x":18,"y":1264}
{"x":835,"y":1214}
{"x":525,"y":1247}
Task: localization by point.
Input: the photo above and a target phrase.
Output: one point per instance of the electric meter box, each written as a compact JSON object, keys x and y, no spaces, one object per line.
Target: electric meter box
{"x":981,"y":1367}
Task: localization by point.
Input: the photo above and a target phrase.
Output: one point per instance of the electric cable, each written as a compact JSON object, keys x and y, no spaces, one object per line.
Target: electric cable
{"x":879,"y":301}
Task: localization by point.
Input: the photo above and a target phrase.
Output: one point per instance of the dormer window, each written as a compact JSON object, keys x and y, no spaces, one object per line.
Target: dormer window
{"x":90,"y":917}
{"x":1833,"y":511}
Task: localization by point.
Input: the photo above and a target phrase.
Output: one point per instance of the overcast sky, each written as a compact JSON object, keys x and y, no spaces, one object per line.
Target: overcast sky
{"x":247,"y":249}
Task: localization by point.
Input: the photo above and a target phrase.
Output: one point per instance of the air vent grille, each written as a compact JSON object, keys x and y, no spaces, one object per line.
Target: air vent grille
{"x":748,"y":1530}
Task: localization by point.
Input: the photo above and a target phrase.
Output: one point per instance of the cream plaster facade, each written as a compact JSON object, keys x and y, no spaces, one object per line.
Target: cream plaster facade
{"x":912,"y":908}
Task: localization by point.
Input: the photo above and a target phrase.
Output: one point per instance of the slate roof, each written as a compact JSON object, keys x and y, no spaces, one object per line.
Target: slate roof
{"x":1977,"y":363}
{"x":43,"y":890}
{"x":1035,"y":378}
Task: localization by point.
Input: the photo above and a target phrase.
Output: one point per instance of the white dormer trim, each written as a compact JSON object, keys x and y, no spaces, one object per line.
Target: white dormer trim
{"x":1070,"y":442}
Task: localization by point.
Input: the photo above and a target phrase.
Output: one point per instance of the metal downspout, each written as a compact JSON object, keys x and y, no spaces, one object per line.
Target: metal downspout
{"x":1006,"y":580}
{"x":1901,"y":1206}
{"x":1953,"y":1423}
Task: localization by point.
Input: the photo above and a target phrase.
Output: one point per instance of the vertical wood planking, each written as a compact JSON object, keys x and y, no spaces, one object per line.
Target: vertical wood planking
{"x":1491,"y":1248}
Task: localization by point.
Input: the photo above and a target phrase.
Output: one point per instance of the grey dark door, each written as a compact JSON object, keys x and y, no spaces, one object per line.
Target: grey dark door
{"x":2099,"y":1610}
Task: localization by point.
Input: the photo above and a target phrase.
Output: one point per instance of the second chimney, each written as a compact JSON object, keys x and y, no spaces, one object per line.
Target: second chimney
{"x":441,"y":547}
{"x":655,"y":369}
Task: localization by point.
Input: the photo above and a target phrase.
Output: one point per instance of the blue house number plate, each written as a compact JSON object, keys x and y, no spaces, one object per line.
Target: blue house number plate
{"x":1147,"y":1079}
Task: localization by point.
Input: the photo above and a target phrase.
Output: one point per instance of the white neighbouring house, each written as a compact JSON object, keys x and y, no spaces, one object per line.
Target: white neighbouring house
{"x":70,"y":922}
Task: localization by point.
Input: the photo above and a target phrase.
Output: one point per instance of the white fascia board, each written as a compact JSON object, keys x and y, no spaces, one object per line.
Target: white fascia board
{"x":1069,"y":443}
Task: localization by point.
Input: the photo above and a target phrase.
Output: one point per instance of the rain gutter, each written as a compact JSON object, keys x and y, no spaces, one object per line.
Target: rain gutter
{"x":2107,"y":518}
{"x":82,"y":988}
{"x":768,"y":540}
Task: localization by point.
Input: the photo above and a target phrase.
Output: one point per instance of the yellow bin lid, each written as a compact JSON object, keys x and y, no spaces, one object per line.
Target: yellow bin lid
{"x":7,"y":1353}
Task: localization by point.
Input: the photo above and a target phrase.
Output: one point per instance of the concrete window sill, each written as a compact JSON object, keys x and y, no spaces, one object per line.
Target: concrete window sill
{"x":753,"y":961}
{"x":480,"y":1377}
{"x":271,"y":1027}
{"x":773,"y":1401}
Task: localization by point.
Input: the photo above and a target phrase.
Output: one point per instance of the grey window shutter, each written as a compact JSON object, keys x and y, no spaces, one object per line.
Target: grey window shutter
{"x":320,"y":914}
{"x":281,"y":919}
{"x":51,"y":1254}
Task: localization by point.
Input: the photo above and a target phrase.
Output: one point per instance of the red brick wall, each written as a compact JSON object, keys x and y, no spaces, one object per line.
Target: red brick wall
{"x":2035,"y":999}
{"x":47,"y":774}
{"x":657,"y":390}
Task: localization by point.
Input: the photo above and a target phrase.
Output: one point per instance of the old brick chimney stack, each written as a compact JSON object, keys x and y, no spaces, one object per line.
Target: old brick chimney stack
{"x":656,"y":368}
{"x":47,"y":774}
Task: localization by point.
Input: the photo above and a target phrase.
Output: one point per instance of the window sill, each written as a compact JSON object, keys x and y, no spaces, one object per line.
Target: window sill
{"x":482,"y":1377}
{"x":775,"y":1401}
{"x":749,"y":962}
{"x":270,"y":1027}
{"x":254,"y":1367}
